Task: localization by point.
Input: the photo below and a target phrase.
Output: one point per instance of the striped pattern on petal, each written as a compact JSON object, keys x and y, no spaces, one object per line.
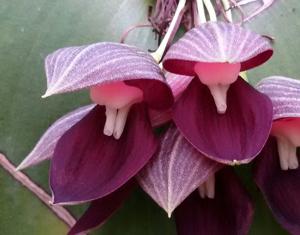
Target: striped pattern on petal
{"x":74,"y":68}
{"x":217,"y":42}
{"x":44,"y":149}
{"x":178,"y":83}
{"x":175,"y":171}
{"x":284,"y":93}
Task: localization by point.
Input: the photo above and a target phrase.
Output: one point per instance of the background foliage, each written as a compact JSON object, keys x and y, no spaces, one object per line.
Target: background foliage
{"x":30,"y":29}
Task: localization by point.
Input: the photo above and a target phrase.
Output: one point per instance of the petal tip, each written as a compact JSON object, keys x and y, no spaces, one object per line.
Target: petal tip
{"x":47,"y":94}
{"x":23,"y":165}
{"x":20,"y":167}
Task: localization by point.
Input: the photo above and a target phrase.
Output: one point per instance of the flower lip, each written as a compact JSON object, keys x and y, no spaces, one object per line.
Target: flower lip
{"x":75,"y":68}
{"x":217,"y":42}
{"x":230,"y":212}
{"x":88,"y":165}
{"x":206,"y":129}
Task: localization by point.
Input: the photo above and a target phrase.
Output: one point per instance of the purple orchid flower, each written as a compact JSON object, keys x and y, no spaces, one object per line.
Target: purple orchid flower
{"x":277,"y":171}
{"x":226,"y":204}
{"x":219,"y":113}
{"x":93,"y":152}
{"x":164,"y":178}
{"x":225,"y":110}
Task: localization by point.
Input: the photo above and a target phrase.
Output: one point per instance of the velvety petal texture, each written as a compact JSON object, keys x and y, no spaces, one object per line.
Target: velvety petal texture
{"x":160,"y":117}
{"x":101,"y":209}
{"x":88,"y":165}
{"x":44,"y":149}
{"x":285,"y":95}
{"x":235,"y":137}
{"x":280,"y":188}
{"x":217,"y":42}
{"x":175,"y":171}
{"x":75,"y":68}
{"x":229,"y":213}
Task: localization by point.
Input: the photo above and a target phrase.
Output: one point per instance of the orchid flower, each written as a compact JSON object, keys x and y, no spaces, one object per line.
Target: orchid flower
{"x":213,"y":105}
{"x":97,"y":149}
{"x":171,"y":178}
{"x":221,"y":200}
{"x":182,"y":157}
{"x":219,"y":113}
{"x":277,"y":171}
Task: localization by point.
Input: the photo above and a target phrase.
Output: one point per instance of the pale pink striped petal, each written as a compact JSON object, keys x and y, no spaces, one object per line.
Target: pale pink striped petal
{"x":175,"y":171}
{"x":285,"y":95}
{"x":178,"y":83}
{"x":44,"y":149}
{"x":75,"y":68}
{"x":217,"y":42}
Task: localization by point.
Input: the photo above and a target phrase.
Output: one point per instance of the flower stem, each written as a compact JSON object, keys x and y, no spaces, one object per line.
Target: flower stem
{"x":158,"y":54}
{"x":211,"y":10}
{"x":201,"y":12}
{"x":59,"y":211}
{"x":226,"y":5}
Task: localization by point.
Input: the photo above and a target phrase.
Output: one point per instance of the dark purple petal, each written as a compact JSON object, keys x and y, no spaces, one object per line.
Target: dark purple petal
{"x":160,"y":117}
{"x":229,"y":213}
{"x":235,"y":137}
{"x":217,"y":42}
{"x":75,"y":68}
{"x":175,"y":171}
{"x":101,"y":210}
{"x":44,"y":149}
{"x":285,"y":95}
{"x":280,"y":188}
{"x":88,"y":165}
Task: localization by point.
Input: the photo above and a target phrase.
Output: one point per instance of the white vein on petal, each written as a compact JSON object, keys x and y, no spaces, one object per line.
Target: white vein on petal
{"x":175,"y":171}
{"x":218,"y":42}
{"x":74,"y":68}
{"x":284,"y":93}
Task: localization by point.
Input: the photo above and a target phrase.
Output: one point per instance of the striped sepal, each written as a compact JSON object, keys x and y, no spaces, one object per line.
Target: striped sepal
{"x":176,"y":171}
{"x":217,"y":42}
{"x":285,"y":95}
{"x":44,"y":149}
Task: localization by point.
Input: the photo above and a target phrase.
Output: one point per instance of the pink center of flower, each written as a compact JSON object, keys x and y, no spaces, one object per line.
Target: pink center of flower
{"x":218,"y":77}
{"x":207,"y":189}
{"x":117,"y":98}
{"x":287,"y":133}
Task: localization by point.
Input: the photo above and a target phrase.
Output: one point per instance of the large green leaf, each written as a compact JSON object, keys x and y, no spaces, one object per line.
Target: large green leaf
{"x":32,"y":29}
